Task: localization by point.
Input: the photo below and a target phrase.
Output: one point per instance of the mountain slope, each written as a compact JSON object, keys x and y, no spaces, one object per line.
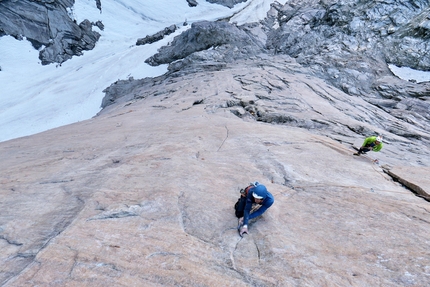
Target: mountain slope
{"x":143,"y":193}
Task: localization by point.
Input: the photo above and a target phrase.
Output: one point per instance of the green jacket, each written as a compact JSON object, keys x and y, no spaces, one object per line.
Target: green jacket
{"x":370,"y":142}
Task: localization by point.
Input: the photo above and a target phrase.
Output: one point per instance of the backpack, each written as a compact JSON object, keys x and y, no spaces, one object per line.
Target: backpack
{"x":239,"y":206}
{"x":244,"y":191}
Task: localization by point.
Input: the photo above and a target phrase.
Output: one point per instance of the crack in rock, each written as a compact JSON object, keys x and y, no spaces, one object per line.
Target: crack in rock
{"x":115,"y":214}
{"x":57,"y":181}
{"x":9,"y":241}
{"x":226,"y":137}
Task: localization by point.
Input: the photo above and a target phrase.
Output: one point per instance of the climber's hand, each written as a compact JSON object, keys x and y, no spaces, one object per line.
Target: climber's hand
{"x":243,"y":230}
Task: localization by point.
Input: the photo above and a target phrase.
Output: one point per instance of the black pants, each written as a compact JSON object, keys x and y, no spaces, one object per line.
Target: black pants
{"x":239,"y":207}
{"x":364,"y":149}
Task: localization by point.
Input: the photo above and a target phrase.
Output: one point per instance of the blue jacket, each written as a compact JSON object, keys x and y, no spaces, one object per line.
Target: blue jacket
{"x":268,"y":200}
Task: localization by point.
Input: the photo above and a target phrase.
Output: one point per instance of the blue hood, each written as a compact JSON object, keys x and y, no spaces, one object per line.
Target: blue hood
{"x":260,"y":190}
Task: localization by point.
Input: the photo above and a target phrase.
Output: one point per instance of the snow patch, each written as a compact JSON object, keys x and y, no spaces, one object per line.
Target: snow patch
{"x":408,"y":74}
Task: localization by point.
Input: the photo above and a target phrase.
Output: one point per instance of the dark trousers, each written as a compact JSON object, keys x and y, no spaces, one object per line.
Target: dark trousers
{"x":363,"y":150}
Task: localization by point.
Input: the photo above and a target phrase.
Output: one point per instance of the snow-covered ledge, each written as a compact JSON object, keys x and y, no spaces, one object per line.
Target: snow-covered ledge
{"x":409,"y":74}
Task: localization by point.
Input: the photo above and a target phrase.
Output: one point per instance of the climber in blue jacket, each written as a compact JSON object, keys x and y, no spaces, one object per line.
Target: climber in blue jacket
{"x":256,"y":195}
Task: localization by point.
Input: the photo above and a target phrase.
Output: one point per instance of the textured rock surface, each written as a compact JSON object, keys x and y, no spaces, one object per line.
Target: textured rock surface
{"x":207,"y":35}
{"x":143,"y":194}
{"x":265,"y":89}
{"x":416,"y":179}
{"x":348,"y":43}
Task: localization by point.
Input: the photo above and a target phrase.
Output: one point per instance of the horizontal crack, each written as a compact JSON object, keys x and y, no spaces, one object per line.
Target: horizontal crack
{"x":56,"y":181}
{"x":11,"y":242}
{"x":120,"y":214}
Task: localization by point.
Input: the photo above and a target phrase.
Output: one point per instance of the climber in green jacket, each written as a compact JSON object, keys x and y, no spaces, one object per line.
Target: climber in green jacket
{"x":373,"y":143}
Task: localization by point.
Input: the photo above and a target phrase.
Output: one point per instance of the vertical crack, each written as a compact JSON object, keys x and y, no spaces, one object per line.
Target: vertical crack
{"x":182,"y":215}
{"x":258,"y":251}
{"x":232,"y":254}
{"x":224,"y":139}
{"x":75,"y":261}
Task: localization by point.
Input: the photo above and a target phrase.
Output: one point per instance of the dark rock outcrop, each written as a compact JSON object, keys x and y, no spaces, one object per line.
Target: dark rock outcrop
{"x":192,"y":3}
{"x":157,"y":36}
{"x":228,"y":41}
{"x":47,"y":23}
{"x":227,"y":3}
{"x":351,"y":42}
{"x":119,"y":89}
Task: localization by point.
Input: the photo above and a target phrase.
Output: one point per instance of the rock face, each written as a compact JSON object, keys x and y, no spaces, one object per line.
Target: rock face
{"x":143,"y":194}
{"x":47,"y":23}
{"x":415,"y":179}
{"x":349,"y":44}
{"x":235,"y":43}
